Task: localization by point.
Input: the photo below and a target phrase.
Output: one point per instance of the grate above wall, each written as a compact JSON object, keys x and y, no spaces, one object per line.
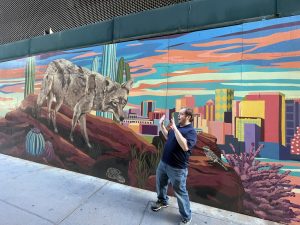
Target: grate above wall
{"x":23,"y":19}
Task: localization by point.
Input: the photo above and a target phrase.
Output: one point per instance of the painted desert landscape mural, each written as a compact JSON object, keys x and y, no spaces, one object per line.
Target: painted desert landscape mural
{"x":96,"y":111}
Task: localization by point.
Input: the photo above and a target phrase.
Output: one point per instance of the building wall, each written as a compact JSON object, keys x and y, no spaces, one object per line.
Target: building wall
{"x":236,"y":78}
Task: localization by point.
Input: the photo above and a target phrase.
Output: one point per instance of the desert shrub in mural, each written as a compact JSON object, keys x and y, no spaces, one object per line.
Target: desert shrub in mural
{"x":266,"y":189}
{"x":145,"y":163}
{"x":242,"y":82}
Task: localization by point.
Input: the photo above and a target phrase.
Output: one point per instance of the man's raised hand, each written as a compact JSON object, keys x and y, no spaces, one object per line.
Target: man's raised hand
{"x":172,"y":124}
{"x":162,"y":119}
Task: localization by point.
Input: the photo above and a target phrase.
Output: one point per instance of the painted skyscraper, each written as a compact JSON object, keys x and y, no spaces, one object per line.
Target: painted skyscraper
{"x":252,"y":136}
{"x":223,"y":103}
{"x":235,"y":113}
{"x":274,"y":122}
{"x":240,"y":123}
{"x":210,"y":110}
{"x":146,"y":107}
{"x":200,"y":110}
{"x":186,"y":101}
{"x":292,"y":119}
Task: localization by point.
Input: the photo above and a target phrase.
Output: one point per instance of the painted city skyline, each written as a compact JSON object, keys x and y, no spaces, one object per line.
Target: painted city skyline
{"x":260,"y":118}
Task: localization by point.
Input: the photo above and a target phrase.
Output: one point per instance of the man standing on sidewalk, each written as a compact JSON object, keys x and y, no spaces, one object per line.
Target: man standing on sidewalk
{"x":173,"y":165}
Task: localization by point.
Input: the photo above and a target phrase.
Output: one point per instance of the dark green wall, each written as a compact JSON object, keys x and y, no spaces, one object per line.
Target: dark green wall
{"x":189,"y":16}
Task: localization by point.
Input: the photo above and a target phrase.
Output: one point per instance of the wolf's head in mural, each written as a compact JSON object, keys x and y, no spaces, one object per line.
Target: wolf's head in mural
{"x":115,"y":98}
{"x":83,"y":91}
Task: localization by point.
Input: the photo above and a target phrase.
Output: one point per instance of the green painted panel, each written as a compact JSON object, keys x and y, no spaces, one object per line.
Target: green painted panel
{"x":172,"y":19}
{"x":14,"y":50}
{"x":288,"y":7}
{"x":82,"y":36}
{"x":213,"y":12}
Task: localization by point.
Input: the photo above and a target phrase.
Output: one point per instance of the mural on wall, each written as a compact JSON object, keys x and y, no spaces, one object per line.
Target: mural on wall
{"x":96,"y":111}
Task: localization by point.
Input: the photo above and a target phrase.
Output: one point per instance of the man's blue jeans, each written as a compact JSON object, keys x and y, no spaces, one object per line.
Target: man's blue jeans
{"x":177,"y":177}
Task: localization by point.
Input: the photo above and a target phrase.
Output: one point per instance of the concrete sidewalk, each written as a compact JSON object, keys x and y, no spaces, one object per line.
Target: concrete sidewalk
{"x":36,"y":194}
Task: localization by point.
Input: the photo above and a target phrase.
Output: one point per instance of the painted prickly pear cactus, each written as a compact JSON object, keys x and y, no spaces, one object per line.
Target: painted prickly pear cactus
{"x":35,"y":142}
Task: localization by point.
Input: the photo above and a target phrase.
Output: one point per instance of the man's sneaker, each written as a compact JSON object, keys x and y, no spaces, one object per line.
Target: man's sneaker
{"x":158,"y":205}
{"x":185,"y":221}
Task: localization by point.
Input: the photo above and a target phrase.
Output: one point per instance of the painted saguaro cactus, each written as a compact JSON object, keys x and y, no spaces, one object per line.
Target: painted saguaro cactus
{"x":120,"y":70}
{"x":109,"y":69}
{"x":123,"y":67}
{"x":29,"y":76}
{"x":127,"y":71}
{"x":109,"y":61}
{"x":95,"y":64}
{"x":35,"y":142}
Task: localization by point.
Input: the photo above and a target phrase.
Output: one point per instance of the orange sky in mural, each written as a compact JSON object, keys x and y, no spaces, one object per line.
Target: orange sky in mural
{"x":204,"y":56}
{"x":267,"y":56}
{"x":147,"y":86}
{"x":20,"y":72}
{"x":195,"y":82}
{"x":288,"y":65}
{"x":187,"y":89}
{"x":186,"y":56}
{"x":221,"y":42}
{"x":138,"y":92}
{"x":193,"y":71}
{"x":214,"y":56}
{"x":294,"y":180}
{"x":41,"y":69}
{"x":89,"y":54}
{"x":272,"y":39}
{"x":287,"y":164}
{"x":2,"y":99}
{"x":37,"y":86}
{"x":150,"y":61}
{"x":131,"y":105}
{"x":15,"y":88}
{"x":258,"y":42}
{"x":12,"y":73}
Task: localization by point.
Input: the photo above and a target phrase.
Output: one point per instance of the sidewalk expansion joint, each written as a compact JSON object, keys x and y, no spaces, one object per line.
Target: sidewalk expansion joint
{"x":27,"y":211}
{"x":82,"y":203}
{"x":145,"y":210}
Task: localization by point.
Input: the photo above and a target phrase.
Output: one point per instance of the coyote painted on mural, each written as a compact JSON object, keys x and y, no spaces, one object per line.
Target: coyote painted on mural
{"x":82,"y":91}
